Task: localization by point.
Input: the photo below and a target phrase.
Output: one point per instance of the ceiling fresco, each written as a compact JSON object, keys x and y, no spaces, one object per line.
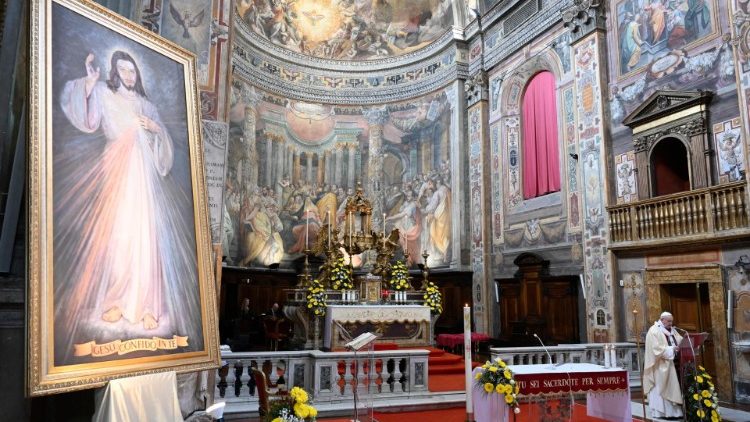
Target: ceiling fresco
{"x":348,"y":29}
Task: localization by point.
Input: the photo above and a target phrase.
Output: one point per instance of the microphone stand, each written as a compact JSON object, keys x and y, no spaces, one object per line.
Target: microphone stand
{"x":545,"y":350}
{"x":695,"y":366}
{"x":554,"y":366}
{"x":641,"y":364}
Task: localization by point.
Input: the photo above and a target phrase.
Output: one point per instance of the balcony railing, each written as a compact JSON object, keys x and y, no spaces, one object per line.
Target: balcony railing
{"x":718,"y":212}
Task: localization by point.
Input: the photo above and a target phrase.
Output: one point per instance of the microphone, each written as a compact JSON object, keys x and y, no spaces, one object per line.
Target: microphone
{"x":553,"y":366}
{"x":680,"y":329}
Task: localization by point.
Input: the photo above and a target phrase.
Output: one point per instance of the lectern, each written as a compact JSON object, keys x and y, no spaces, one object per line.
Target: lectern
{"x":364,"y":340}
{"x":688,"y":346}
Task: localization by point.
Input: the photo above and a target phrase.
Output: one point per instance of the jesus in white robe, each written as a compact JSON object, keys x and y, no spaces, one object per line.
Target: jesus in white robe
{"x":123,"y":233}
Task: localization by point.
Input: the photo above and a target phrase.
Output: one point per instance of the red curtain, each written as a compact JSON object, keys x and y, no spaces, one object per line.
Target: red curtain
{"x":541,"y":164}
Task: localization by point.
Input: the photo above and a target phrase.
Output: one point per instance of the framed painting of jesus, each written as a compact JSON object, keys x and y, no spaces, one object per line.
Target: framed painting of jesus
{"x":119,"y":272}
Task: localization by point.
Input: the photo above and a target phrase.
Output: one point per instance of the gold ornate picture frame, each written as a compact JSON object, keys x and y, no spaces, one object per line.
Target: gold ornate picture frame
{"x":119,"y":258}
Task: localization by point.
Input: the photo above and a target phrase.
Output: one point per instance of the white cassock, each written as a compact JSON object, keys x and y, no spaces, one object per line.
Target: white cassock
{"x":660,"y":383}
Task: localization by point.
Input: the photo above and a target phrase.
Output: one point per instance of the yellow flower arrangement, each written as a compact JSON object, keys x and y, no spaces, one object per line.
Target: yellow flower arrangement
{"x":496,"y":377}
{"x":316,"y":298}
{"x":701,"y":401}
{"x":293,"y":409}
{"x":399,"y":276}
{"x":433,"y":298}
{"x":340,"y":275}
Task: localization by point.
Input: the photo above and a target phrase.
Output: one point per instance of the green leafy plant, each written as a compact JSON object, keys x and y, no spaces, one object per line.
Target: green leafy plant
{"x":316,"y":298}
{"x":701,"y":402}
{"x":496,"y":378}
{"x":433,"y":298}
{"x":399,"y":279}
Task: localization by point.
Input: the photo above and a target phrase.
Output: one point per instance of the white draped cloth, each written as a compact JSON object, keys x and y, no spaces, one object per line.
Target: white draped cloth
{"x":660,"y":382}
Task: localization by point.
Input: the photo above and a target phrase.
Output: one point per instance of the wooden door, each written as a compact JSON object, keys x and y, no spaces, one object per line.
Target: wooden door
{"x":690,"y":306}
{"x":509,"y":307}
{"x":560,"y":302}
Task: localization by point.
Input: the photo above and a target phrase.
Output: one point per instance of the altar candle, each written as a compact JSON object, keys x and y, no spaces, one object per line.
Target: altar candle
{"x":307,"y":229}
{"x":613,"y":356}
{"x":467,"y":361}
{"x":351,"y":229}
{"x":383,"y":229}
{"x":329,"y":230}
{"x":606,"y":355}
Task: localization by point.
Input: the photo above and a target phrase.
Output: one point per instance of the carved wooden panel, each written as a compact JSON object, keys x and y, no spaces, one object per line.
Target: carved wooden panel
{"x":561,"y":311}
{"x":510,"y":308}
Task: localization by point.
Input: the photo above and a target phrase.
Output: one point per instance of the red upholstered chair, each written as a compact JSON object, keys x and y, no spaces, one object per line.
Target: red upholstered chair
{"x":276,"y":330}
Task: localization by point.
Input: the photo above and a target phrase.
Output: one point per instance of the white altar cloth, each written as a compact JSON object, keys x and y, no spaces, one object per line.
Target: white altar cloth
{"x":346,"y":314}
{"x":151,"y":397}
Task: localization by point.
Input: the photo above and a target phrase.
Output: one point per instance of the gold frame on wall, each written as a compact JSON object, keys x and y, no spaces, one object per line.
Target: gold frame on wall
{"x":47,"y":297}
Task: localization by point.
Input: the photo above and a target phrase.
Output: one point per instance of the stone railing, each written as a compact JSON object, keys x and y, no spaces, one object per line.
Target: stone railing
{"x":717,"y":212}
{"x":627,"y":356}
{"x":328,"y":377}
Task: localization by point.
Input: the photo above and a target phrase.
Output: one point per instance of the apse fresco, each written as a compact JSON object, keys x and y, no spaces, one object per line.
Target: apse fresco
{"x":655,"y":31}
{"x":348,"y":29}
{"x":291,"y":165}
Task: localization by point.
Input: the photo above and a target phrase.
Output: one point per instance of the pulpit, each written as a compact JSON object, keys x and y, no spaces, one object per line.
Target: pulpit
{"x":689,"y":350}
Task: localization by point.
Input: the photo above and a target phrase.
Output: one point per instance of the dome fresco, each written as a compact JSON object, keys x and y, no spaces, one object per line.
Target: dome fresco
{"x":348,"y":29}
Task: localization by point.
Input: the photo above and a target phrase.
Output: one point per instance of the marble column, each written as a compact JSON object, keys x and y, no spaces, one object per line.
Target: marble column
{"x":321,"y":169}
{"x":309,"y":167}
{"x":251,"y":99}
{"x":352,"y":168}
{"x":268,"y":161}
{"x":280,"y":161}
{"x":329,"y":168}
{"x":297,"y":169}
{"x":339,"y":164}
{"x":376,"y":118}
{"x":289,"y":163}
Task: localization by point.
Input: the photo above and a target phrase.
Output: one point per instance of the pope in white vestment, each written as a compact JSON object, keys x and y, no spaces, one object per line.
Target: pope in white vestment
{"x":660,"y":383}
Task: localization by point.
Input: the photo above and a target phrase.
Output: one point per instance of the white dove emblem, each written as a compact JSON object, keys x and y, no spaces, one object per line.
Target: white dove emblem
{"x":314,"y":17}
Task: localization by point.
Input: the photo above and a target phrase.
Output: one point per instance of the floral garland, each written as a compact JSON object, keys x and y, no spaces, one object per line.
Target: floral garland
{"x":496,"y":377}
{"x":399,"y":276}
{"x":316,"y":298}
{"x":340,"y":275}
{"x":701,"y":402}
{"x":295,"y":408}
{"x":433,"y":298}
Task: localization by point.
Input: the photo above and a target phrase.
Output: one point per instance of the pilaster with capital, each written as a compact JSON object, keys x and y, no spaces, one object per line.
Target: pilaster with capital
{"x":584,"y":17}
{"x":476,"y":88}
{"x":479,"y":196}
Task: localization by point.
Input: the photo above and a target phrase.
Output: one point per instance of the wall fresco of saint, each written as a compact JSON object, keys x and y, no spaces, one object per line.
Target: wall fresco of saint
{"x":291,"y":165}
{"x":348,"y":29}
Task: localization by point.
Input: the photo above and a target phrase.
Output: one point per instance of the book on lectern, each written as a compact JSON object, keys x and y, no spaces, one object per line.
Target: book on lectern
{"x":361,"y":341}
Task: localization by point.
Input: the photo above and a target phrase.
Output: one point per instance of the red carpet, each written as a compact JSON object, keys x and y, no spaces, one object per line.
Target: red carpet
{"x":529,"y":413}
{"x":446,"y":371}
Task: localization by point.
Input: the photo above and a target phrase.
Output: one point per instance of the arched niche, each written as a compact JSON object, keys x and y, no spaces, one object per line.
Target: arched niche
{"x":675,"y":118}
